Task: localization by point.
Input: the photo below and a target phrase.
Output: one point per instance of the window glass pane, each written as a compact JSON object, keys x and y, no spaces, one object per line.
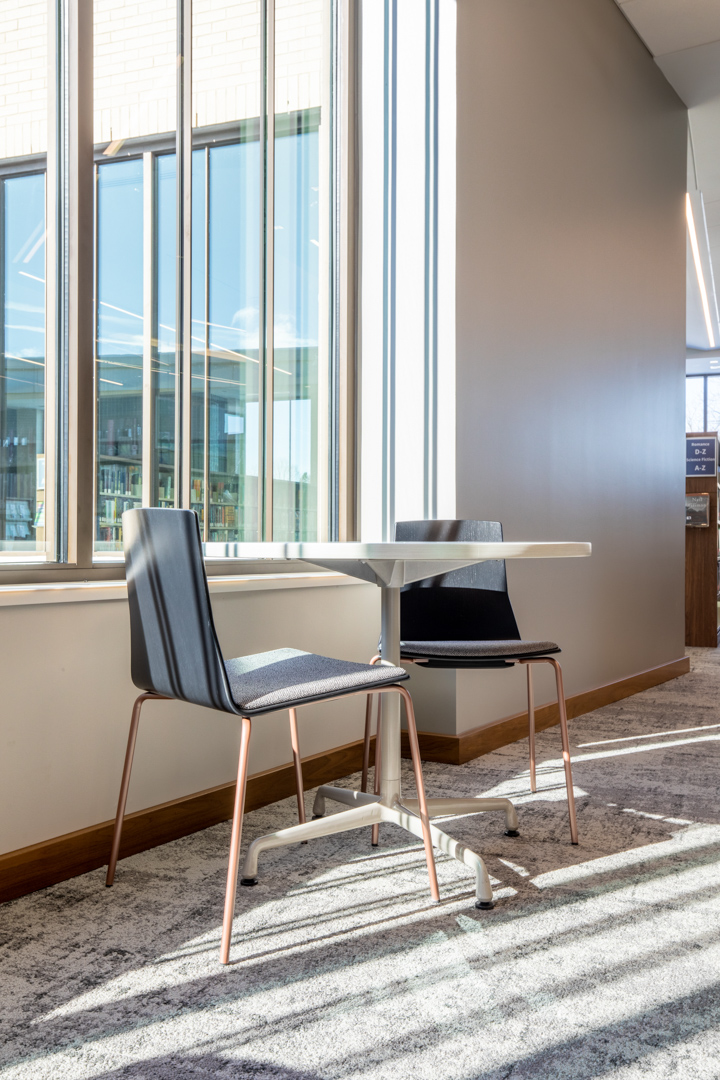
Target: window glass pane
{"x":226,"y":268}
{"x":134,"y":76}
{"x":713,"y":402}
{"x":134,"y":85}
{"x":226,"y":62}
{"x":163,"y":382}
{"x":23,"y":142}
{"x":694,"y":390}
{"x":233,"y":356}
{"x":199,"y":320}
{"x":22,"y":386}
{"x":119,"y":347}
{"x":301,"y":358}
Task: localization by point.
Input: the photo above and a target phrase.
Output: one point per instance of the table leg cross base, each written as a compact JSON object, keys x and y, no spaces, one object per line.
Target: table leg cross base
{"x":367,"y":810}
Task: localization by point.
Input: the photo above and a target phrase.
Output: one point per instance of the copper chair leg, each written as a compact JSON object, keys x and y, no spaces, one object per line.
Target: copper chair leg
{"x":531,"y":726}
{"x":298,"y":765}
{"x":366,"y":741}
{"x":235,"y":839}
{"x":565,"y":749}
{"x":125,"y":784}
{"x":375,"y":834}
{"x":420,"y":785}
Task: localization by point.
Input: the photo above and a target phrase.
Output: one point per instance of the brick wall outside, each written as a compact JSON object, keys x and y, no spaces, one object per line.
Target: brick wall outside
{"x":135,"y":66}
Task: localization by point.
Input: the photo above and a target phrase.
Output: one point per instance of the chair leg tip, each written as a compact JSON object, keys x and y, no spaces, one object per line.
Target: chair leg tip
{"x":484,"y":905}
{"x":248,"y":881}
{"x":315,"y":817}
{"x":512,"y":832}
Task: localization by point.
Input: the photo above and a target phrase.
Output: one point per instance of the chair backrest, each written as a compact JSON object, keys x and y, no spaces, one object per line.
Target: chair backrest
{"x":174,"y":647}
{"x":470,"y":604}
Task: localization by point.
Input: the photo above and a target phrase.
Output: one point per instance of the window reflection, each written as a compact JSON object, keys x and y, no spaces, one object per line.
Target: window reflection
{"x":163,"y":354}
{"x":234,"y":359}
{"x":297,"y":302}
{"x":695,"y":403}
{"x":713,"y":403}
{"x":22,"y":382}
{"x":119,"y":351}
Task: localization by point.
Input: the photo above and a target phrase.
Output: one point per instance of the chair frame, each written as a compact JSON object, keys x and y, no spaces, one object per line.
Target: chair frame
{"x":240,"y":792}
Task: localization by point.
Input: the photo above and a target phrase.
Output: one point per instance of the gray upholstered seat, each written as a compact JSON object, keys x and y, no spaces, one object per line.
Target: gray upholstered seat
{"x":286,"y":678}
{"x":477,"y":649}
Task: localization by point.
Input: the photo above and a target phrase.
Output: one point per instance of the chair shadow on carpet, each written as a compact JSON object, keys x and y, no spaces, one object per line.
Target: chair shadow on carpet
{"x":199,"y":1066}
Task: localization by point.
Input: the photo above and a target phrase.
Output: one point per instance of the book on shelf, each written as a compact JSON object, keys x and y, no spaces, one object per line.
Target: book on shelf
{"x":120,"y":480}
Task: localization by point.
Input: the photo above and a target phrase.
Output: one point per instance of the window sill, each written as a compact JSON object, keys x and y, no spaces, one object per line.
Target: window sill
{"x":70,"y":592}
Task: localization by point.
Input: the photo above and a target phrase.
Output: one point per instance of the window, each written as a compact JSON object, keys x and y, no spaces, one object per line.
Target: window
{"x":702,"y":403}
{"x":23,"y":142}
{"x":258,"y":394}
{"x":216,"y":231}
{"x":408,"y":263}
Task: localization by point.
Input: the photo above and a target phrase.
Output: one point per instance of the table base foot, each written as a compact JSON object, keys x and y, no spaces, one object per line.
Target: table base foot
{"x":458,"y":807}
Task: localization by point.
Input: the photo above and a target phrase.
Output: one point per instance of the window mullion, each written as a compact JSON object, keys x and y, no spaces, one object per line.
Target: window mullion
{"x":206,"y":348}
{"x":149,"y":487}
{"x":345,"y":255}
{"x":267,"y":271}
{"x":183,"y":310}
{"x":69,"y":285}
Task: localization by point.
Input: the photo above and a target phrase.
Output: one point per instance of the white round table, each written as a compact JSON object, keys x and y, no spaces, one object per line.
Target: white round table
{"x":390,"y":566}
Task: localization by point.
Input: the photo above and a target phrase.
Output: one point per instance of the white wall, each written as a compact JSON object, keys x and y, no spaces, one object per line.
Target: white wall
{"x":570,"y":331}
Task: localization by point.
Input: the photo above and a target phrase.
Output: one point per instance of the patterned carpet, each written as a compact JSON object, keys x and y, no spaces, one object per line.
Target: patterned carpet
{"x":598,"y":961}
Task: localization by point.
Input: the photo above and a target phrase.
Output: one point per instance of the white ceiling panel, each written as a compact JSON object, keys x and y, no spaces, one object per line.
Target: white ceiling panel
{"x":668,"y":25}
{"x":694,"y":73}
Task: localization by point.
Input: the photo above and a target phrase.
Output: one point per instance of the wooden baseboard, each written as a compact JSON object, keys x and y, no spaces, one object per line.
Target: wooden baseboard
{"x":457,"y":749}
{"x":35,"y":867}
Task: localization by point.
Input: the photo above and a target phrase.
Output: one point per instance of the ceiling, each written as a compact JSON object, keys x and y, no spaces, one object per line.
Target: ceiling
{"x":684,"y":38}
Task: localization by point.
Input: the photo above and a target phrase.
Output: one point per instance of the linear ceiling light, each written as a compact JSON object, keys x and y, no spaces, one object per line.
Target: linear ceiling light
{"x":699,"y":270}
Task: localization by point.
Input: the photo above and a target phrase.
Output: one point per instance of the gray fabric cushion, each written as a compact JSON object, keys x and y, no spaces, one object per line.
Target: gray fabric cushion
{"x":469,"y":649}
{"x":284,"y":677}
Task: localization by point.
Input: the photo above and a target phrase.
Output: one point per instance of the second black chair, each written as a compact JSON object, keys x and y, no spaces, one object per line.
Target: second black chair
{"x":464,"y":619}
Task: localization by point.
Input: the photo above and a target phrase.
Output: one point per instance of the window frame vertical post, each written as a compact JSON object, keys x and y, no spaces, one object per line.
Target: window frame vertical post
{"x":183,"y":278}
{"x":432,"y":28}
{"x":149,"y":486}
{"x":266,"y":321}
{"x":389,"y":269}
{"x":346,"y":254}
{"x":70,"y":375}
{"x":206,"y":353}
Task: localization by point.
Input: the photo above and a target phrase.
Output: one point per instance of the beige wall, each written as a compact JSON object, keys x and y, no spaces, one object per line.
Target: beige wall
{"x":570,"y":330}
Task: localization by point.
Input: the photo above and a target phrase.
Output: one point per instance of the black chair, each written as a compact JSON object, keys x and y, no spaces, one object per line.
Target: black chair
{"x":464,"y":619}
{"x":175,"y":655}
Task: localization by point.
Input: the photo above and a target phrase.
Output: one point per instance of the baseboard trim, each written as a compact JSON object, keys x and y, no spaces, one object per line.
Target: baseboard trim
{"x":31,"y":868}
{"x":457,"y":749}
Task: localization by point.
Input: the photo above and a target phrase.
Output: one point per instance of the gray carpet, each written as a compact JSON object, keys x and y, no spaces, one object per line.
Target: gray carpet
{"x":597,"y":961}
